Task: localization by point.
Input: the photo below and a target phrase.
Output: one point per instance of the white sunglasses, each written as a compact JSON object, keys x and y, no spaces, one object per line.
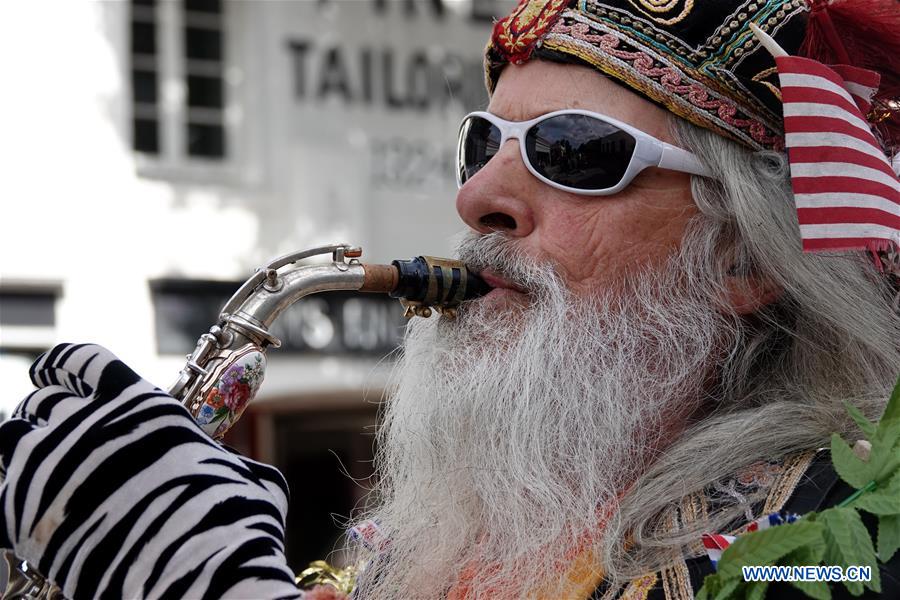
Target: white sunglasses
{"x":572,"y":150}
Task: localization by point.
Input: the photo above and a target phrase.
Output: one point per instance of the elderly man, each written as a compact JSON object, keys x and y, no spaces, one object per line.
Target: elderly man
{"x":657,"y":359}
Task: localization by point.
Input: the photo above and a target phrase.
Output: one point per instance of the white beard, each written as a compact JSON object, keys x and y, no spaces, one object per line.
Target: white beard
{"x":506,"y":431}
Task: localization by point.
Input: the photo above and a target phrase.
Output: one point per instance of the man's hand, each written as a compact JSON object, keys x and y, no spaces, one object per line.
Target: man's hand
{"x":112,"y":490}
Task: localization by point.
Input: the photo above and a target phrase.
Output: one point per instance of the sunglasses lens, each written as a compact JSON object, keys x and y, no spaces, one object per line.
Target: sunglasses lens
{"x":479,"y":141}
{"x":579,"y":151}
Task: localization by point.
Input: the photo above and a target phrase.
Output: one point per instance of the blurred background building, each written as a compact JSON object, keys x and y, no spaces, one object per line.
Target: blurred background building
{"x":155,"y":152}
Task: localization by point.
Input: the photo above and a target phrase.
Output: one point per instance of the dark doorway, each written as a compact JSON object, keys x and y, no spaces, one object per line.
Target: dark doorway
{"x":321,"y":454}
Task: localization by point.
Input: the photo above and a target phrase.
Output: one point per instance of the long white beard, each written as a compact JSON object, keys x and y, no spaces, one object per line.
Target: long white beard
{"x":506,"y":432}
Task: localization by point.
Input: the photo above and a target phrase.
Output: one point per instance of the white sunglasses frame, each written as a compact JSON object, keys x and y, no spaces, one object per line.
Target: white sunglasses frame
{"x":648,"y":150}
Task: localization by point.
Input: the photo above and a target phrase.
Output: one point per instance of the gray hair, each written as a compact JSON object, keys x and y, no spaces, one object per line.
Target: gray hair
{"x":830,"y":337}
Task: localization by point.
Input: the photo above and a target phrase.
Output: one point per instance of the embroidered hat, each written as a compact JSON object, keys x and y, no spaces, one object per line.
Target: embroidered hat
{"x":697,"y":58}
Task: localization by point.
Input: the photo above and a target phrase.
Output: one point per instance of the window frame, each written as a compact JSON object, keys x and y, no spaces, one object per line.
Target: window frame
{"x":172,"y":162}
{"x":30,"y":338}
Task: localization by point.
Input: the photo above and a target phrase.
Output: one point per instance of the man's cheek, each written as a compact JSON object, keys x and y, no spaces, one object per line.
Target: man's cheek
{"x":597,"y":251}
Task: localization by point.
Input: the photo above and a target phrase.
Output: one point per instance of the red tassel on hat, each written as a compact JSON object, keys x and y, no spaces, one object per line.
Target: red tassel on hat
{"x":862,"y":33}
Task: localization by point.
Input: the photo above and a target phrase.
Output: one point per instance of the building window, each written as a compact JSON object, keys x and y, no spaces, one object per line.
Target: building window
{"x":204,"y":64}
{"x":27,"y":328}
{"x":27,"y":317}
{"x":145,"y":124}
{"x":179,"y":97}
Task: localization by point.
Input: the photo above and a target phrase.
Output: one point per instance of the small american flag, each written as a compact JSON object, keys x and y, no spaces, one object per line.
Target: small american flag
{"x":716,"y":543}
{"x":847,"y":193}
{"x":369,"y":534}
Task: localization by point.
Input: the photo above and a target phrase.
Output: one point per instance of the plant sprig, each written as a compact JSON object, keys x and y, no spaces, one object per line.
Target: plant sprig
{"x":835,"y":536}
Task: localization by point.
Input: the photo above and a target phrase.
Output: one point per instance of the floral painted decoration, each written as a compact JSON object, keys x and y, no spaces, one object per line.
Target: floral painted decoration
{"x":231,"y":392}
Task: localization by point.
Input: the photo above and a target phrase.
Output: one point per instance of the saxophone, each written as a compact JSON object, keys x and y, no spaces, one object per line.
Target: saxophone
{"x":240,"y":338}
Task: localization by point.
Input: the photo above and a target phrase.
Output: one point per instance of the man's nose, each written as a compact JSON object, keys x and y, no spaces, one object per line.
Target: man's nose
{"x":498,"y":197}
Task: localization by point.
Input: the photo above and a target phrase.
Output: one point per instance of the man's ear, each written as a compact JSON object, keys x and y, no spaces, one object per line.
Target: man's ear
{"x":747,"y":292}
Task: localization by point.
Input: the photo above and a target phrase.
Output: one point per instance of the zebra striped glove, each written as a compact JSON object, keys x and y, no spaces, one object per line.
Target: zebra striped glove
{"x":111,"y":490}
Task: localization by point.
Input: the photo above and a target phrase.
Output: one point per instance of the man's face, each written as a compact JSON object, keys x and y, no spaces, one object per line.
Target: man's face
{"x":506,"y":433}
{"x":592,"y":240}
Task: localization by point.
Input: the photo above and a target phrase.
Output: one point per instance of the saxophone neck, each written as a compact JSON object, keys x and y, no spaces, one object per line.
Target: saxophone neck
{"x":234,"y":349}
{"x":422,"y":284}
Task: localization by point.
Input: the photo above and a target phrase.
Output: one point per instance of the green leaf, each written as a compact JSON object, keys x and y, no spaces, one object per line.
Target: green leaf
{"x":728,"y":589}
{"x":811,"y":554}
{"x":888,"y":536}
{"x":889,"y":478}
{"x":767,"y":546}
{"x":713,"y":584}
{"x":892,"y":484}
{"x":848,"y":466}
{"x":892,"y":410}
{"x":878,"y":504}
{"x":889,"y":425}
{"x":847,"y":543}
{"x":703,"y":594}
{"x":884,"y":459}
{"x":757,"y":590}
{"x":865,"y":425}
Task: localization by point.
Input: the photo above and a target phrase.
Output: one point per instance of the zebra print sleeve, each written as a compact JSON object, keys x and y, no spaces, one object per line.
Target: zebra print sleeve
{"x":113,"y":491}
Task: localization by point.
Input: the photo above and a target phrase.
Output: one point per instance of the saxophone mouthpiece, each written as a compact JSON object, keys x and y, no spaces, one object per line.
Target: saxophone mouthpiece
{"x":426,"y":283}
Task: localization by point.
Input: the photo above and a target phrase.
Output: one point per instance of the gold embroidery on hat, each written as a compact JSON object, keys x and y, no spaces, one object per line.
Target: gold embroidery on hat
{"x":639,"y":588}
{"x":517,"y":34}
{"x":664,"y":6}
{"x":762,"y":75}
{"x":697,"y":98}
{"x":795,"y":467}
{"x":529,"y":12}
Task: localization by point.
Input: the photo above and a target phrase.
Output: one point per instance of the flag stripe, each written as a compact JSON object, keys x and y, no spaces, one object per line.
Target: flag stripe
{"x":816,"y":139}
{"x":866,"y":77}
{"x":805,"y":80}
{"x":815,"y":185}
{"x":849,"y":230}
{"x":834,"y":215}
{"x":846,"y":169}
{"x":826,"y":125}
{"x":823,"y":244}
{"x":717,"y":541}
{"x":801,"y":109}
{"x":858,"y":93}
{"x":788,"y":65}
{"x":848,"y":199}
{"x":859,"y":82}
{"x":861,"y":95}
{"x":809,"y":95}
{"x":846,"y":192}
{"x":836,"y":154}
